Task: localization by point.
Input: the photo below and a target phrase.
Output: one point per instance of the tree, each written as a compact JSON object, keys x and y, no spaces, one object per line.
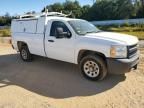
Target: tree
{"x":85,"y":12}
{"x":111,"y":9}
{"x":142,"y":2}
{"x":125,"y":9}
{"x":66,"y":8}
{"x":57,"y":7}
{"x":74,"y":7}
{"x":100,"y":10}
{"x":5,"y":20}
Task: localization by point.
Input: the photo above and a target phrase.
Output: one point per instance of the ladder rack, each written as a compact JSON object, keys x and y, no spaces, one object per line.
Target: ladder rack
{"x":46,"y":14}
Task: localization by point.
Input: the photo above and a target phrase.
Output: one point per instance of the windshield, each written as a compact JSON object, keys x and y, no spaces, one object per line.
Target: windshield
{"x":82,"y":27}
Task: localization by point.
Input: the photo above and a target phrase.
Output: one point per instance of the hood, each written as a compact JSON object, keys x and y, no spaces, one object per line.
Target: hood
{"x":123,"y":38}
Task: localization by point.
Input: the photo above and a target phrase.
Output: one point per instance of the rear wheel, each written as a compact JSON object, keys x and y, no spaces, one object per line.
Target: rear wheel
{"x":93,"y":67}
{"x":25,"y":54}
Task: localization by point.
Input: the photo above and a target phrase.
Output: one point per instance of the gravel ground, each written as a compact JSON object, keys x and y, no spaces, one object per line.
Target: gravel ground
{"x":46,"y":83}
{"x":141,"y":43}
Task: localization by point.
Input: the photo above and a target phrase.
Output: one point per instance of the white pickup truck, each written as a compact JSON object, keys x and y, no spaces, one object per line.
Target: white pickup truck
{"x":75,"y":41}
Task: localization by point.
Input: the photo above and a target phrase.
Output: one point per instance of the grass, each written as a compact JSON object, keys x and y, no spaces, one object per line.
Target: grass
{"x":131,"y":30}
{"x":5,"y":32}
{"x":139,"y":34}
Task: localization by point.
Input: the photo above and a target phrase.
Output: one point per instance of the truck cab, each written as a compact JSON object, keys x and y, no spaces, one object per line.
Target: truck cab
{"x":77,"y":41}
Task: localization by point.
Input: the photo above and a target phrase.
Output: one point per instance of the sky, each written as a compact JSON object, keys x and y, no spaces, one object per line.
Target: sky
{"x":17,"y":7}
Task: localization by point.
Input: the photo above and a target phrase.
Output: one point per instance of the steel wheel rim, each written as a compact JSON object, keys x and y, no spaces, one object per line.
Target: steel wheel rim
{"x":91,"y":69}
{"x":24,"y":54}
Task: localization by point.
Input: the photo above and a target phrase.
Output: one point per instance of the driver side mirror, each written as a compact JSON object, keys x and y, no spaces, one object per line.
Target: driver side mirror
{"x":61,"y":34}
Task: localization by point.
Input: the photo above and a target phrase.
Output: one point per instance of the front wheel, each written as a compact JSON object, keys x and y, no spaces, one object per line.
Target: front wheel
{"x":93,"y":67}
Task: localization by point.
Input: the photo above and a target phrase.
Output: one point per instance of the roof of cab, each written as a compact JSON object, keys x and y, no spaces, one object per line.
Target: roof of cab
{"x":60,"y":18}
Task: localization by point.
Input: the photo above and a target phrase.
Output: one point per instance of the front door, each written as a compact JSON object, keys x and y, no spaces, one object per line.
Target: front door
{"x":59,"y":48}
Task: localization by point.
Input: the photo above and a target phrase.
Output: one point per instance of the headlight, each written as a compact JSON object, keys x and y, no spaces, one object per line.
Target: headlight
{"x":118,"y":51}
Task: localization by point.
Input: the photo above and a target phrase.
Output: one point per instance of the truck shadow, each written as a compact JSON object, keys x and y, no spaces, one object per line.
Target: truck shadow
{"x":51,"y":78}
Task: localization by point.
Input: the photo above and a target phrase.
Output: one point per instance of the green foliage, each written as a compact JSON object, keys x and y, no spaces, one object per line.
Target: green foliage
{"x":126,"y":24}
{"x":5,"y":32}
{"x":66,"y":8}
{"x":136,"y":30}
{"x":5,"y":20}
{"x":74,"y":7}
{"x":85,"y":12}
{"x":111,"y":10}
{"x":101,"y":9}
{"x":57,"y":7}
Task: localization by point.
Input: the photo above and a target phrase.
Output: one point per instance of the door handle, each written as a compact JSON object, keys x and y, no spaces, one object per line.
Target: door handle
{"x":50,"y":40}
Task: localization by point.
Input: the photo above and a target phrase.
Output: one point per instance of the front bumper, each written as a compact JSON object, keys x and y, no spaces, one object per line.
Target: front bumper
{"x":121,"y":66}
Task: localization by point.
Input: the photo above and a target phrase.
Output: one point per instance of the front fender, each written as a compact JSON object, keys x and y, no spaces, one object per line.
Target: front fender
{"x":92,"y":46}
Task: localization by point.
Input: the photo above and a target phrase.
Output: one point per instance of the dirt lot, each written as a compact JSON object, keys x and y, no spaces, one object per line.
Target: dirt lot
{"x":46,"y":83}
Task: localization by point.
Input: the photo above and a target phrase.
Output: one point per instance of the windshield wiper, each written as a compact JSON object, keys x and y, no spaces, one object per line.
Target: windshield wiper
{"x":94,"y":31}
{"x":90,"y":32}
{"x":98,"y":31}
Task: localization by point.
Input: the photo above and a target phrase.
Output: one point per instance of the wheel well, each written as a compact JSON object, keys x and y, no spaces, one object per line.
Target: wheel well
{"x":84,"y":53}
{"x":20,"y":44}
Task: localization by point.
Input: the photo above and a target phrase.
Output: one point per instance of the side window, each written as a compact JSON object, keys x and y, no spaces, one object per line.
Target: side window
{"x":56,"y":24}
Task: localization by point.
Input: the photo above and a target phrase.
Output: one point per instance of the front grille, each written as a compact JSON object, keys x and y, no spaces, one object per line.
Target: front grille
{"x":132,"y":50}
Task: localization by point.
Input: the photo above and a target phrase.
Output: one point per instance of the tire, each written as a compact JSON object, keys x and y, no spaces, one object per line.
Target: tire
{"x":93,"y":67}
{"x":25,"y":54}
